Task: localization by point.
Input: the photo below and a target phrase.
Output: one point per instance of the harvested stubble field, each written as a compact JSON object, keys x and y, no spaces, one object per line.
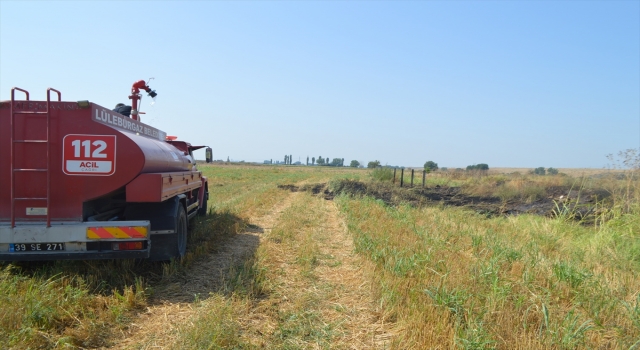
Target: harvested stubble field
{"x":318,"y":257}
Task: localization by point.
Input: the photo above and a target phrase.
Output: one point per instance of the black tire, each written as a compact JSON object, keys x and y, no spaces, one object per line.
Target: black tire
{"x":203,"y":209}
{"x":181,"y":233}
{"x":173,"y":245}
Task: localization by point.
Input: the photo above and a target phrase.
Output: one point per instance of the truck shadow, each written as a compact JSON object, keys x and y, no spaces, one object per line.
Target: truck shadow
{"x":219,"y":260}
{"x":220,"y":254}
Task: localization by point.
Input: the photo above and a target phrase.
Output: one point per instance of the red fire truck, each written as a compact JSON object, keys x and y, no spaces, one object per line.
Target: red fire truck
{"x":80,"y":181}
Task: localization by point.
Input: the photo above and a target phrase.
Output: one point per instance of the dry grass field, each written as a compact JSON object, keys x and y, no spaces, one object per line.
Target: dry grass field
{"x":574,"y":172}
{"x":320,"y":257}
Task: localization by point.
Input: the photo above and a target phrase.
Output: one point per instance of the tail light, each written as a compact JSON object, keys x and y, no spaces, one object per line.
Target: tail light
{"x":127,"y":246}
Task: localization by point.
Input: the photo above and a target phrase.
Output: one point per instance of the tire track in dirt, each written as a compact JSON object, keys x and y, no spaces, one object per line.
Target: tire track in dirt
{"x":341,"y":283}
{"x":351,"y":298}
{"x":172,"y":304}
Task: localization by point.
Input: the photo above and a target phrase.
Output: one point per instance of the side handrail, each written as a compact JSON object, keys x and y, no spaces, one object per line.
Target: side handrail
{"x":11,"y":157}
{"x":49,"y":95}
{"x":19,"y":89}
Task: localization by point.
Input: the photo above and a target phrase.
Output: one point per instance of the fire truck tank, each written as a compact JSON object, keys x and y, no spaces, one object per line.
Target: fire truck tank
{"x":59,"y":155}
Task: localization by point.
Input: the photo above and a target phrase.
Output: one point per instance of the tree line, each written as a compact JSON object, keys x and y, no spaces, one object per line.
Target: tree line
{"x":321,"y":161}
{"x":429,"y":166}
{"x":325,"y":161}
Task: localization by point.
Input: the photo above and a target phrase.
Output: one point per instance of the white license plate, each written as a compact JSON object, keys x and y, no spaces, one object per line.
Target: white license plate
{"x":35,"y":247}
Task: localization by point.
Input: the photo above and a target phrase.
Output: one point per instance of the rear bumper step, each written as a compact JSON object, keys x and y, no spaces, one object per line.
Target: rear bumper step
{"x":86,"y":255}
{"x":82,"y":240}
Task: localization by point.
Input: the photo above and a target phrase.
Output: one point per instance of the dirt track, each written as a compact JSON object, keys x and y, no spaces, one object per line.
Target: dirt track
{"x":346,"y":273}
{"x":342,"y":284}
{"x":171,"y":304}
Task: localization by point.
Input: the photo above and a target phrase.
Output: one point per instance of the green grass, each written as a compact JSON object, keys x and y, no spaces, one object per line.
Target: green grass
{"x":46,"y":312}
{"x":524,"y":280}
{"x":443,"y":276}
{"x":216,"y":326}
{"x":47,"y":305}
{"x":455,"y":279}
{"x":383,"y":173}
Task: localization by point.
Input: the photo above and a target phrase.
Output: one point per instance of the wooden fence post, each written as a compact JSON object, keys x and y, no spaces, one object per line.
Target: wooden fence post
{"x":401,"y":176}
{"x":412,"y":177}
{"x":394,"y":175}
{"x":424,"y":174}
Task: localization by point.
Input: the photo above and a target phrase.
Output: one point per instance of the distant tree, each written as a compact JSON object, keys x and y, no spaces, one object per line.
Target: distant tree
{"x":552,"y":171}
{"x":342,"y":162}
{"x":320,"y":161}
{"x":373,"y":164}
{"x":227,"y":159}
{"x":307,"y":160}
{"x":481,"y":166}
{"x":430,"y":166}
{"x":336,"y":162}
{"x":313,"y":160}
{"x":290,"y":159}
{"x":539,"y":171}
{"x":444,"y":168}
{"x":354,"y":164}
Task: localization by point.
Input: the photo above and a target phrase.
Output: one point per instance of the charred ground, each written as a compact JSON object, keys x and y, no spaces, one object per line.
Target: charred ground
{"x":556,"y":200}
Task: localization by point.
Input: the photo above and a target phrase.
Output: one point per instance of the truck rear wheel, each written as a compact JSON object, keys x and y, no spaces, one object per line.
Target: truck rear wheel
{"x":171,"y":245}
{"x":181,"y":232}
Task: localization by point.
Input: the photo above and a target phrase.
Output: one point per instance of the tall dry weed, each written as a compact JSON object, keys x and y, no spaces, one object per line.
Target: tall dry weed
{"x":522,"y":282}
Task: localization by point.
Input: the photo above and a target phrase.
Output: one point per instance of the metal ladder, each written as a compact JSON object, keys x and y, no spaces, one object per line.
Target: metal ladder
{"x":12,"y":156}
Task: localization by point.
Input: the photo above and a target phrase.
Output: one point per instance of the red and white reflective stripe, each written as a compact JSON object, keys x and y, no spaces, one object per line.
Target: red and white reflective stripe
{"x":111,"y":232}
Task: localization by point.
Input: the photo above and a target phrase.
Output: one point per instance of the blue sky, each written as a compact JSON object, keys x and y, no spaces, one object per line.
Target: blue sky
{"x":507,"y":83}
